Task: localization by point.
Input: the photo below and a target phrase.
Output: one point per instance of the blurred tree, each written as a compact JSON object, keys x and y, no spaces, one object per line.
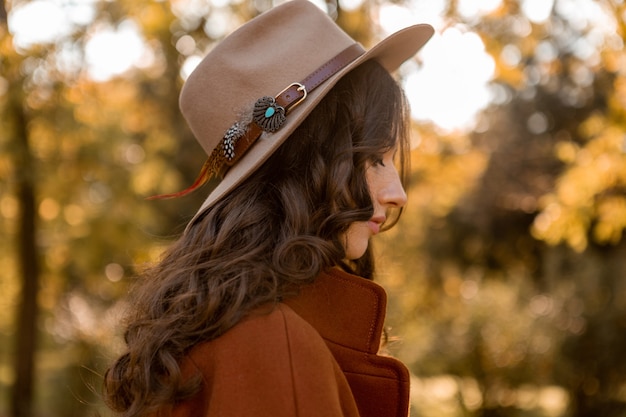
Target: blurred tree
{"x":80,"y":156}
{"x":518,"y":282}
{"x":23,"y":179}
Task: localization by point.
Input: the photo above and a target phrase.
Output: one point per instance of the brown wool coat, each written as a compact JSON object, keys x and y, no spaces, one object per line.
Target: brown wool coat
{"x":312,"y":356}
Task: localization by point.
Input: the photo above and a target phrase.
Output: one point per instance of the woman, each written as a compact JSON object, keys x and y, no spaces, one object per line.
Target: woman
{"x":265,"y":306}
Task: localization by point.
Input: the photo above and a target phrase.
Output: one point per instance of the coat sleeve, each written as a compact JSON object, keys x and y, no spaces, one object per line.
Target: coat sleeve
{"x":270,"y":365}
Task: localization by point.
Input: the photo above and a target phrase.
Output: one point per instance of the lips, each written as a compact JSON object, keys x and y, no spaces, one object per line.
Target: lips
{"x":375,"y":223}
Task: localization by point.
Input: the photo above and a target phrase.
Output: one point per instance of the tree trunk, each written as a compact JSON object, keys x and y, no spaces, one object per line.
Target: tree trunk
{"x":28,"y":260}
{"x":27,"y":310}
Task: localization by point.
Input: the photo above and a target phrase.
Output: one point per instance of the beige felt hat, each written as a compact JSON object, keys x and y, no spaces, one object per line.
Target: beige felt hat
{"x":254,"y":88}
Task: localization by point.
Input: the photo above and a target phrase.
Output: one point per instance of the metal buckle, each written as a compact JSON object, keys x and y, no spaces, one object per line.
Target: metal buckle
{"x":301,"y":87}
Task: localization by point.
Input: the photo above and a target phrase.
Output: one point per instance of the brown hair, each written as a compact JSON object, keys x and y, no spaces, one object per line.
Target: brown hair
{"x":274,"y":233}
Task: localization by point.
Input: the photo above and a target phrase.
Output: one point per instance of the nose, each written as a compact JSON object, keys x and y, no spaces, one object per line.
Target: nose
{"x":392,"y":193}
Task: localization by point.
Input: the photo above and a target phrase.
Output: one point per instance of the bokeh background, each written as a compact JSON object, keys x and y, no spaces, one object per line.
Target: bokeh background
{"x":506,"y":275}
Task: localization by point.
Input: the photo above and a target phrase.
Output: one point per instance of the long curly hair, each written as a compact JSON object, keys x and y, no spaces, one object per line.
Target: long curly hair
{"x":271,"y":235}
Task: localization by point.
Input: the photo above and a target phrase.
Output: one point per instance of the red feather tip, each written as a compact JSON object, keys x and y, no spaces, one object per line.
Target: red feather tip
{"x":205,"y":174}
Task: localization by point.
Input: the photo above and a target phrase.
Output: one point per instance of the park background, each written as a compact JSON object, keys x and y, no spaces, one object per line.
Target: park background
{"x":506,"y":274}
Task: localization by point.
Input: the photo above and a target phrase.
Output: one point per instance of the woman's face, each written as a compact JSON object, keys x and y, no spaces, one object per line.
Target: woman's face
{"x":386,"y":192}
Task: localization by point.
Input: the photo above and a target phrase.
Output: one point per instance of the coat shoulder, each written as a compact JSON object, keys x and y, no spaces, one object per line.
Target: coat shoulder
{"x":276,"y":334}
{"x":272,"y":363}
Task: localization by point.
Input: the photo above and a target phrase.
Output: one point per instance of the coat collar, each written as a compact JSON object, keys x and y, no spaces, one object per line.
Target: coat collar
{"x":345,"y":309}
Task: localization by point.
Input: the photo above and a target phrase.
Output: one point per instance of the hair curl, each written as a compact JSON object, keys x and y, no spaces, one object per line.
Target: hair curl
{"x":274,"y":233}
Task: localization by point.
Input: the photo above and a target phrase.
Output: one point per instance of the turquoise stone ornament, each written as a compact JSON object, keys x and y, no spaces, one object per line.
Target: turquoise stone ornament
{"x":268,"y":114}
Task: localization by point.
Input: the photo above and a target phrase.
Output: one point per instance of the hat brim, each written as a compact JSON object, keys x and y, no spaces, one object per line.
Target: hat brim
{"x":391,"y":52}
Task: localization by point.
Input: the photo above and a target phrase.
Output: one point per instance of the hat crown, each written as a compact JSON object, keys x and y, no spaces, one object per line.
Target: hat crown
{"x":279,"y":47}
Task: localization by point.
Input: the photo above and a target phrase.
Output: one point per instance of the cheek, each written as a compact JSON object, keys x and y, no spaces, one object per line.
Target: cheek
{"x":376,"y":179}
{"x":356,"y":240}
